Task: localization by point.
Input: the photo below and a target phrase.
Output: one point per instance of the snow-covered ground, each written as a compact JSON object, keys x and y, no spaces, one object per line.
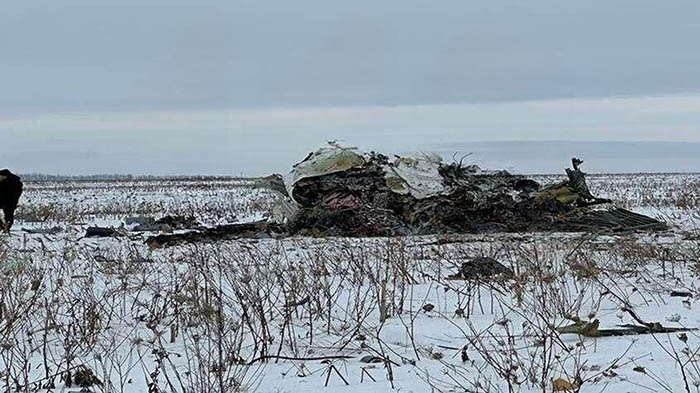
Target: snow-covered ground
{"x":339,"y":315}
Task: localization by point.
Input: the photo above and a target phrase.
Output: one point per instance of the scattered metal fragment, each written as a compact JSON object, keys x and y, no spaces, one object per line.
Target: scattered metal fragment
{"x":592,"y":329}
{"x":681,"y":294}
{"x":164,"y":224}
{"x":371,"y":359}
{"x":482,"y":268}
{"x":615,"y":220}
{"x":43,"y":231}
{"x":254,"y":230}
{"x":84,"y":377}
{"x":274,"y":182}
{"x":102,"y":232}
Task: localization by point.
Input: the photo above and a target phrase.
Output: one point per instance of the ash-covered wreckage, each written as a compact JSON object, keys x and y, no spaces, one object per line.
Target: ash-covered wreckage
{"x":343,"y":192}
{"x":340,"y":191}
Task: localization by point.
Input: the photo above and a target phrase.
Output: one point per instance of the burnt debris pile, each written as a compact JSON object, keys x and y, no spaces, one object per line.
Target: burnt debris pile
{"x":342,"y":192}
{"x":339,"y":191}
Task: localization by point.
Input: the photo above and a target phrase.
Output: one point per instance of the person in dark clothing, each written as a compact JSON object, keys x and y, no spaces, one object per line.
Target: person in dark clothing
{"x":10,"y":191}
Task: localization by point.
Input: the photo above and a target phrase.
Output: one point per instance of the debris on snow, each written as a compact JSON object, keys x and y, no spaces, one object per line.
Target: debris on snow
{"x":681,"y":294}
{"x":674,"y":318}
{"x":562,"y":385}
{"x":343,"y":192}
{"x":592,"y":329}
{"x":43,"y":231}
{"x":274,"y":182}
{"x":164,"y":224}
{"x":178,"y":222}
{"x":371,"y":359}
{"x":340,"y":191}
{"x":102,"y":232}
{"x":482,"y":268}
{"x":144,"y":224}
{"x":253,"y":230}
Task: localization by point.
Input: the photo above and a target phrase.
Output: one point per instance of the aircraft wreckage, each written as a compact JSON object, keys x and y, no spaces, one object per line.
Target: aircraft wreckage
{"x":340,"y":191}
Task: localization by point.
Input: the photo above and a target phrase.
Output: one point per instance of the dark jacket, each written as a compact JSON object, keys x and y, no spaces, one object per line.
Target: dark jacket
{"x":10,"y":191}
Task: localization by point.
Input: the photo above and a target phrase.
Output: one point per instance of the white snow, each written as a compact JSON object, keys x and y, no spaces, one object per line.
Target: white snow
{"x":175,"y":318}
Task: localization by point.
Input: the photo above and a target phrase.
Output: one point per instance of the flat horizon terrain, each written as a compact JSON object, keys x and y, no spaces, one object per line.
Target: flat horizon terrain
{"x":282,"y":315}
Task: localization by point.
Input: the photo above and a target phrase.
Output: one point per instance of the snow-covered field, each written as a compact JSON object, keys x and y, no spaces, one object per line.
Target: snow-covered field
{"x":339,"y":315}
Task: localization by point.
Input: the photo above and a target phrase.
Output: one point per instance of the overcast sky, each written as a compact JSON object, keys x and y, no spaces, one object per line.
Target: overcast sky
{"x":164,"y":79}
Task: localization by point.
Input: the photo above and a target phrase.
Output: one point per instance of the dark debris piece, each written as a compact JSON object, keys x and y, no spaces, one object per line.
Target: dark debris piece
{"x":616,"y":220}
{"x":482,"y":268}
{"x":681,"y":294}
{"x":44,"y":231}
{"x":101,"y":232}
{"x":178,"y":222}
{"x":166,"y":223}
{"x":85,"y":377}
{"x":253,"y":230}
{"x":371,"y":359}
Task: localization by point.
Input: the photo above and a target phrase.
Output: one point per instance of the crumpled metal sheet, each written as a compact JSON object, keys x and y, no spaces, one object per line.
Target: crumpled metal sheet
{"x":339,"y":190}
{"x":283,"y":210}
{"x":615,"y":219}
{"x":417,"y":175}
{"x":324,"y":161}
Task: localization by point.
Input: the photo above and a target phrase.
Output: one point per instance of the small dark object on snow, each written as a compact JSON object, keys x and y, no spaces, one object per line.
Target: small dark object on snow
{"x":428,"y":307}
{"x":178,"y":222}
{"x":482,"y":268}
{"x":43,"y":231}
{"x":681,"y":294}
{"x":145,"y":224}
{"x":101,"y":232}
{"x":85,"y":377}
{"x":371,"y":359}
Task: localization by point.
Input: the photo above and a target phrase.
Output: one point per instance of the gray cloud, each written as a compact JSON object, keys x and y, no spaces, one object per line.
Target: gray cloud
{"x":248,"y":87}
{"x":127,"y":54}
